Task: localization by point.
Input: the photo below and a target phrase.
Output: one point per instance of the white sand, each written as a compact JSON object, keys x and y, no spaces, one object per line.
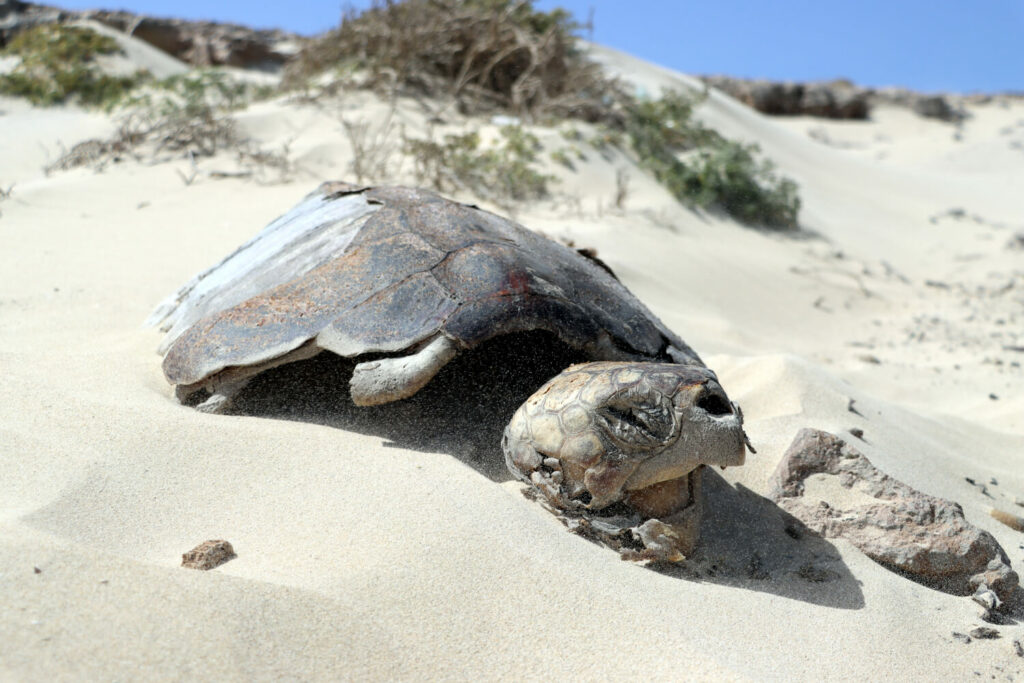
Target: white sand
{"x":358,"y":558}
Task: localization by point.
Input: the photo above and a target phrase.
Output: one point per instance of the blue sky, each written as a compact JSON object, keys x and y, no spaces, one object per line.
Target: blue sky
{"x":926,"y":45}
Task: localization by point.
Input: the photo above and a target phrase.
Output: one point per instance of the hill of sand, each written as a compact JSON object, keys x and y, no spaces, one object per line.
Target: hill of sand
{"x":383,"y":552}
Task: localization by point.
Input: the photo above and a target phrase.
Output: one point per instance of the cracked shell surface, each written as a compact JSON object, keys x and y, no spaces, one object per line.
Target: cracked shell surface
{"x":411,"y":265}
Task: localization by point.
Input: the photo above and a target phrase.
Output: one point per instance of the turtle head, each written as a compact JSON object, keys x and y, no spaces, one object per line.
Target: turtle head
{"x":601,"y":433}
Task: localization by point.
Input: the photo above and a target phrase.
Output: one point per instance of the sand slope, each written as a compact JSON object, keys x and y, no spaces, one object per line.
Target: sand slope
{"x":369,"y":553}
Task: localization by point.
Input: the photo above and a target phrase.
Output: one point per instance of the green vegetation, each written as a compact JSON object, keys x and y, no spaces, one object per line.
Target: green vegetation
{"x":58,"y":62}
{"x":561,"y":157}
{"x":211,"y":88}
{"x":185,"y":116}
{"x":702,"y":168}
{"x":489,"y":55}
{"x":505,"y":171}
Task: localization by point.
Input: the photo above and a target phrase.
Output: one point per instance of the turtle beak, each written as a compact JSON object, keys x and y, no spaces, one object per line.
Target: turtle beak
{"x":710,"y":433}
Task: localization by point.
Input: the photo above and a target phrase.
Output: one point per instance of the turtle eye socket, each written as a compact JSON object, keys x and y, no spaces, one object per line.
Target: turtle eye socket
{"x":714,"y":403}
{"x":638,"y":419}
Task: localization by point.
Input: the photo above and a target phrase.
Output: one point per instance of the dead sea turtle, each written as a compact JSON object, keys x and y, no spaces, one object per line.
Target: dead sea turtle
{"x":402,"y":280}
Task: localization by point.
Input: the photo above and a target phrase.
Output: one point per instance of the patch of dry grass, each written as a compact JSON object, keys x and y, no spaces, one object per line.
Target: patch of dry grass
{"x":487,"y":54}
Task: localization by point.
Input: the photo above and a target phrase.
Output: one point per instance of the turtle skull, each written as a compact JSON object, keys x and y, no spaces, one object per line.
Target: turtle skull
{"x":609,"y":432}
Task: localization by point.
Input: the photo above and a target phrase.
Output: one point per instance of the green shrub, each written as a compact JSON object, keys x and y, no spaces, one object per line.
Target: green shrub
{"x":561,"y":156}
{"x":184,"y":116}
{"x":501,"y":173}
{"x":58,"y":62}
{"x":205,"y":87}
{"x":702,"y":168}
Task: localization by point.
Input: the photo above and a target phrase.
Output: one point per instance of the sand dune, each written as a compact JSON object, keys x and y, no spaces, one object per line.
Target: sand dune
{"x":365,"y":552}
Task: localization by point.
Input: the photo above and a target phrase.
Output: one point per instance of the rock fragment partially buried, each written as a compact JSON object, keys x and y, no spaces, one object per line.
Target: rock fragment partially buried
{"x":925,"y":537}
{"x":208,"y":555}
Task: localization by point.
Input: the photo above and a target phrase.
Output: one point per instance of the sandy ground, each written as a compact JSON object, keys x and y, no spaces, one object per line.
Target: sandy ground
{"x":381,"y":552}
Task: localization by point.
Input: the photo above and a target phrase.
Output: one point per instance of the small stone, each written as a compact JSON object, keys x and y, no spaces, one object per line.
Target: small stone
{"x":850,"y":407}
{"x":552,"y":463}
{"x":984,"y":633}
{"x":997,"y":577}
{"x":993,"y":397}
{"x":208,"y":554}
{"x":857,"y":432}
{"x":37,"y":570}
{"x":962,"y":637}
{"x":986,"y":598}
{"x":1018,"y":647}
{"x":978,"y":485}
{"x":660,"y":540}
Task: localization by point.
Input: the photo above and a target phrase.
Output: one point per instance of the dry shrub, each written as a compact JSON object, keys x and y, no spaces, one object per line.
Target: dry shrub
{"x":488,"y":54}
{"x":181,"y":120}
{"x":373,"y":146}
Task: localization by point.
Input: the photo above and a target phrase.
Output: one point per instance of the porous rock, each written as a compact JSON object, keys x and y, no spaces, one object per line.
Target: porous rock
{"x":208,"y":554}
{"x":923,"y":536}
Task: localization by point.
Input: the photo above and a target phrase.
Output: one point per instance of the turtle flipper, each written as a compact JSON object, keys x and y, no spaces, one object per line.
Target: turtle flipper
{"x":216,"y":403}
{"x":390,"y":379}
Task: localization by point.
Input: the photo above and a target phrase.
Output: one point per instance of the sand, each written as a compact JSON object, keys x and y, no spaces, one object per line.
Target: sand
{"x":362,"y":555}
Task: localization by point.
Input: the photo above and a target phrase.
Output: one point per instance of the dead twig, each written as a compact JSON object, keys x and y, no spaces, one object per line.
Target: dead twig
{"x":372,"y":146}
{"x":621,"y":187}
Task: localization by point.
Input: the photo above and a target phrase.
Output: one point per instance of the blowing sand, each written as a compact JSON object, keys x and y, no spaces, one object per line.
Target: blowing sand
{"x":362,"y":554}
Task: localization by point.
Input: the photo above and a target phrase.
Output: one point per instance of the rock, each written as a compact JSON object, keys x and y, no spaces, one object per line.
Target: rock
{"x":208,"y":554}
{"x":906,"y":530}
{"x":834,"y":99}
{"x":838,"y":99}
{"x":986,"y":598}
{"x":935,"y":107}
{"x":939,"y":107}
{"x":998,"y":577}
{"x":1018,"y":647}
{"x":200,"y":43}
{"x":962,"y":637}
{"x":981,"y":487}
{"x":984,"y":633}
{"x":17,"y":16}
{"x":203,"y":43}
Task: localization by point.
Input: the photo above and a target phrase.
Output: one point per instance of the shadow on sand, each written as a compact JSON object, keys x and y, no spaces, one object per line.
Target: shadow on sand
{"x":747,"y":541}
{"x":462,"y":411}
